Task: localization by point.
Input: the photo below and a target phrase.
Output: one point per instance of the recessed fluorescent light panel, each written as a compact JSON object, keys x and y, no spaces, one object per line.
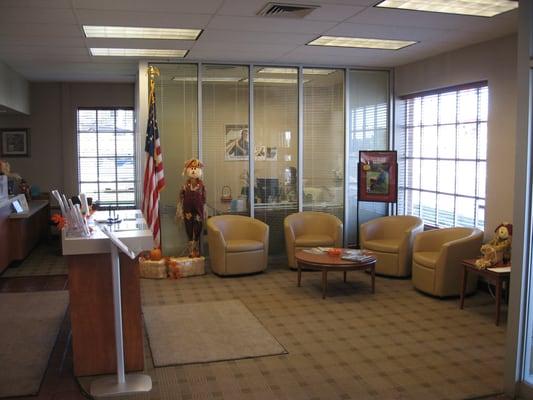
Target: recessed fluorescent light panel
{"x":365,"y":43}
{"x":132,"y":32}
{"x":294,"y":71}
{"x":275,"y":80}
{"x":480,"y":8}
{"x":212,"y":79}
{"x":113,"y":52}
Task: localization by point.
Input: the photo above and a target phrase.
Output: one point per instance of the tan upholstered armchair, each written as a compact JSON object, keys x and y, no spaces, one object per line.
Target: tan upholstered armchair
{"x":237,"y":244}
{"x":391,"y":240}
{"x":437,"y":257}
{"x":310,"y":229}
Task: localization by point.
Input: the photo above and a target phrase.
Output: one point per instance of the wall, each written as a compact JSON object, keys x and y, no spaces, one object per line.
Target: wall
{"x":518,"y":349}
{"x":52,"y":123}
{"x":14,"y":90}
{"x":494,"y":61}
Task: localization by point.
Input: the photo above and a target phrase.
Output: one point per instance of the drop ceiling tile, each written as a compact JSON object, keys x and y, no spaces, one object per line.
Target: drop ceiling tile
{"x":145,"y":18}
{"x":366,"y":3}
{"x":186,"y":7}
{"x":388,"y":32}
{"x":17,"y":59}
{"x":334,"y":12}
{"x":44,"y":41}
{"x":368,"y":60}
{"x":418,"y":19}
{"x":257,"y":38}
{"x":334,"y":52}
{"x":214,"y":55}
{"x":236,"y":50}
{"x":326,"y":12}
{"x":9,"y":30}
{"x":79,"y":72}
{"x":40,"y":50}
{"x":260,"y":24}
{"x":37,"y":15}
{"x":35,"y":4}
{"x":72,"y":67}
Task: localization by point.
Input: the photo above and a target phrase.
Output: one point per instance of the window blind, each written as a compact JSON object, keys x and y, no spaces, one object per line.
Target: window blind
{"x":443,"y":149}
{"x":106,"y":156}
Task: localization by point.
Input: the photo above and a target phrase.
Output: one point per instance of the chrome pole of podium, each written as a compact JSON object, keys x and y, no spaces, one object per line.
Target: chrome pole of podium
{"x":122,"y":384}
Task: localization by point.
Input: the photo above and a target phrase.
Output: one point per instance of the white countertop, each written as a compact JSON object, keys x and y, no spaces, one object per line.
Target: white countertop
{"x":34,"y":206}
{"x":133,"y":231}
{"x":20,"y":197}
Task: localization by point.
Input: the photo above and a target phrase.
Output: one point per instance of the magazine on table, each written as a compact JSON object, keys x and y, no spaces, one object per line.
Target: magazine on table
{"x":347,"y":254}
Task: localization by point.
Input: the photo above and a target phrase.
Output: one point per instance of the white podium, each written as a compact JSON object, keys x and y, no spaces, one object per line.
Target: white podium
{"x":123,"y":383}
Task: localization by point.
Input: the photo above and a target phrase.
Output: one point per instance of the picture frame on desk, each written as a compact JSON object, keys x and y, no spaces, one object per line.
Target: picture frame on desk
{"x":15,"y":142}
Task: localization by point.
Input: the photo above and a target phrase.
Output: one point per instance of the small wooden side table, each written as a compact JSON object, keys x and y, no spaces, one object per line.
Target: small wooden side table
{"x":497,"y":275}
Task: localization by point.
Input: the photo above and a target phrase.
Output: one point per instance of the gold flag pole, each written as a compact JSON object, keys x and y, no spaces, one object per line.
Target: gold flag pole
{"x":153,"y":72}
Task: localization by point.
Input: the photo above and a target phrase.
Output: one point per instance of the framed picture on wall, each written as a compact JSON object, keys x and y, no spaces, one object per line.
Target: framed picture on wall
{"x":272,"y":154}
{"x":378,"y":176}
{"x":237,"y":143}
{"x":15,"y":143}
{"x":260,"y":153}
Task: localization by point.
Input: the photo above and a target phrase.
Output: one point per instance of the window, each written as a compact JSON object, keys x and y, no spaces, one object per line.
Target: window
{"x":445,"y":156}
{"x":106,"y":156}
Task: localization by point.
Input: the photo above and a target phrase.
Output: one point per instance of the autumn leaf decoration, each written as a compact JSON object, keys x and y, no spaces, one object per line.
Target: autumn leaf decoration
{"x":59,"y":221}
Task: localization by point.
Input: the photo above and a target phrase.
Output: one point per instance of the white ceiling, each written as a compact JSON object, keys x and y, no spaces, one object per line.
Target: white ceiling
{"x":43,"y":39}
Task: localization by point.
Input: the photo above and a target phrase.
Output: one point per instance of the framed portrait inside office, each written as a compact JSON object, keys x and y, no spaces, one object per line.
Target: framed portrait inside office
{"x":260,"y":153}
{"x":237,"y":143}
{"x":378,"y":176}
{"x":15,"y":143}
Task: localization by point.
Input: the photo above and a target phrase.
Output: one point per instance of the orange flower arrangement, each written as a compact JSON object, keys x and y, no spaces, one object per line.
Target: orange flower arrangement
{"x":59,"y":221}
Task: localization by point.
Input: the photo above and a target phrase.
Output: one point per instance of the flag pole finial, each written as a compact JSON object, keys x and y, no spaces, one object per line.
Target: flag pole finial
{"x":153,"y":71}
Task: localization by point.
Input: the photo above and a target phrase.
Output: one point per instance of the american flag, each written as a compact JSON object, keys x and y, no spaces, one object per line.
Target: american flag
{"x":154,"y":179}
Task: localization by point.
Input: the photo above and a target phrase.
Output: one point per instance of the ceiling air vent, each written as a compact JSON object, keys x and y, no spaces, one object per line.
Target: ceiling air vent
{"x":285,"y":10}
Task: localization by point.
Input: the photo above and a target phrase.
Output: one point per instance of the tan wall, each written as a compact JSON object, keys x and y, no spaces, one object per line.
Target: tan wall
{"x":14,"y":90}
{"x":494,"y":61}
{"x":53,"y":162}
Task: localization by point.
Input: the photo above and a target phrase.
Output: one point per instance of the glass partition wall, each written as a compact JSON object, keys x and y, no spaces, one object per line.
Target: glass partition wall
{"x":323,"y":144}
{"x":225,"y":138}
{"x":276,"y":149}
{"x":177,"y":110}
{"x":368,"y":129}
{"x":234,"y":122}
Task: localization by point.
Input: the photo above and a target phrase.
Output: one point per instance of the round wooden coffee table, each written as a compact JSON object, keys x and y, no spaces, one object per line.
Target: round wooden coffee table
{"x":325,"y":263}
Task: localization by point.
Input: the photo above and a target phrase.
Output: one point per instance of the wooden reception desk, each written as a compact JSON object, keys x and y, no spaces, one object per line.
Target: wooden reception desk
{"x":20,"y":233}
{"x":91,"y":296}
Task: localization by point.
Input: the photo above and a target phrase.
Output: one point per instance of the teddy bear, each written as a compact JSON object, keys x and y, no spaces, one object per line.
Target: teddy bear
{"x":502,"y":242}
{"x":498,"y":249}
{"x":489,"y":257}
{"x":191,"y":204}
{"x":5,"y":169}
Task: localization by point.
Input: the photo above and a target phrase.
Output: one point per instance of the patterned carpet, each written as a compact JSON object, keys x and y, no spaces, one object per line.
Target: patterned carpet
{"x":395,"y":344}
{"x":45,"y":259}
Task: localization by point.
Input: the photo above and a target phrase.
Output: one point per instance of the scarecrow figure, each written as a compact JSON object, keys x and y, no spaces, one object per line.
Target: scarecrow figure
{"x":191,"y":204}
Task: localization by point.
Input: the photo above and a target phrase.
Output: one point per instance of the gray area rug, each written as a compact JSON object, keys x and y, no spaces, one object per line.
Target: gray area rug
{"x":44,"y":260}
{"x":205,"y":332}
{"x":29,"y":325}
